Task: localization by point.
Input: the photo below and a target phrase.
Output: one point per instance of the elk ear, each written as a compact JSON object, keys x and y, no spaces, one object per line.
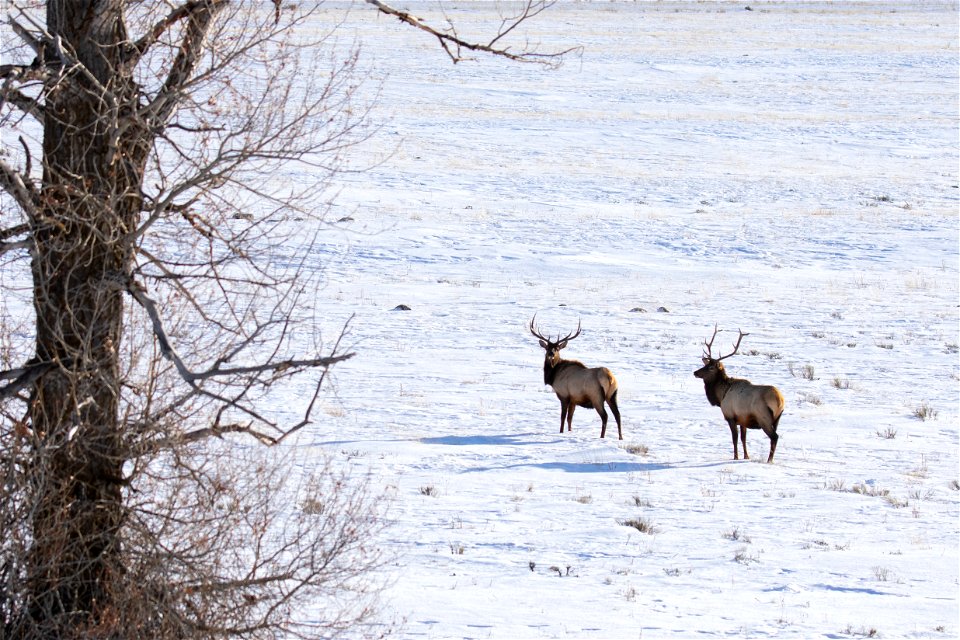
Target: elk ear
{"x":543,"y":344}
{"x":705,"y":360}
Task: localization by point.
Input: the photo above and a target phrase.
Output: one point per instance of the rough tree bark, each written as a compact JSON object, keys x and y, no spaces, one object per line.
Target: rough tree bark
{"x":94,"y":154}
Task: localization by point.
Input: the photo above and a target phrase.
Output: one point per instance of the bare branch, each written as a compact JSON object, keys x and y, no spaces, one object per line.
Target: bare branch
{"x":184,"y":11}
{"x":23,"y":378}
{"x":200,"y":16}
{"x":18,"y":230}
{"x":28,"y":38}
{"x":139,"y":294}
{"x":153,"y":34}
{"x":8,"y":94}
{"x":217,"y":431}
{"x":270,"y":367}
{"x":20,"y":188}
{"x":316,"y":393}
{"x":13,"y":246}
{"x":447,"y":39}
{"x":29,"y":157}
{"x":48,"y":45}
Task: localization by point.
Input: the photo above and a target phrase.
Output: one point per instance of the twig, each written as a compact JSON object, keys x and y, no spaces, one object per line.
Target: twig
{"x":446,"y":39}
{"x":191,"y":377}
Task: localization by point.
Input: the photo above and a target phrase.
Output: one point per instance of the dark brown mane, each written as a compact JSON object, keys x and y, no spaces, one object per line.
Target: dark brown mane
{"x":716,"y":387}
{"x":711,"y":391}
{"x":550,"y":373}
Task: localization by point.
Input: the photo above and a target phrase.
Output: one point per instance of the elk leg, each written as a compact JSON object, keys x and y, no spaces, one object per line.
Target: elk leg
{"x":573,"y":405}
{"x":733,"y":434}
{"x":772,"y":433}
{"x":603,"y":419}
{"x":616,"y":413}
{"x":563,"y":414}
{"x":743,"y":439}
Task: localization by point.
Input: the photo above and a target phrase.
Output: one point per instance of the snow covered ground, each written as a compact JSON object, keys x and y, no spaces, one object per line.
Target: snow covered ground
{"x":791,"y":171}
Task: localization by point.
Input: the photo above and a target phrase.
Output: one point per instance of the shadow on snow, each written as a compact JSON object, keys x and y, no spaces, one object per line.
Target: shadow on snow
{"x":516,"y":439}
{"x":582,"y":467}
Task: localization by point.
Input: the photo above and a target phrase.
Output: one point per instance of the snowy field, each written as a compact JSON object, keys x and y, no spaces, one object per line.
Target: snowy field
{"x":790,"y":171}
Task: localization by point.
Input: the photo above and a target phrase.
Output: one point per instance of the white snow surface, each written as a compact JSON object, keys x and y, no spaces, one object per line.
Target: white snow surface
{"x":789,"y":170}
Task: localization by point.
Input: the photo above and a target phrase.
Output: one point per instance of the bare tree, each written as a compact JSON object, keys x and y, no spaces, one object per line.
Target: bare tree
{"x":165,"y":296}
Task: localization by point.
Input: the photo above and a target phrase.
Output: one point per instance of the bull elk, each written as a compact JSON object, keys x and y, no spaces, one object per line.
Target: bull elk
{"x":577,"y":385}
{"x":752,"y":406}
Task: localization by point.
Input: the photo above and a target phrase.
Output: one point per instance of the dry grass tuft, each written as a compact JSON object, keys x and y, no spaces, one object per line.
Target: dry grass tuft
{"x":640,"y":524}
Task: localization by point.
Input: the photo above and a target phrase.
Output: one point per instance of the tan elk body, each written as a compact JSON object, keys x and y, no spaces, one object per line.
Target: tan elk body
{"x":576,"y":384}
{"x":751,"y":406}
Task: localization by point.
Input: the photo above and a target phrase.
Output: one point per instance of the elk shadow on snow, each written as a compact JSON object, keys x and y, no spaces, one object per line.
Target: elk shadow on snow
{"x":865,"y":590}
{"x":514,"y":439}
{"x":579,"y":467}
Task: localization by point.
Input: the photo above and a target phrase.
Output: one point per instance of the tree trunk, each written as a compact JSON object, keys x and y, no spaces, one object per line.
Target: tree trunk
{"x":90,"y":201}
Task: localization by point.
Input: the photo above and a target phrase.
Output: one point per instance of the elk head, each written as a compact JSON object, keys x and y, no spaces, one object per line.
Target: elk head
{"x":712,"y":367}
{"x":553,"y":347}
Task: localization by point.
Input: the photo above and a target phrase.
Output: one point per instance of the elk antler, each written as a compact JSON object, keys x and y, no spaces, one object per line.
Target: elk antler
{"x":533,"y":330}
{"x":707,"y":353}
{"x":736,"y":346}
{"x":710,"y":344}
{"x":560,"y":342}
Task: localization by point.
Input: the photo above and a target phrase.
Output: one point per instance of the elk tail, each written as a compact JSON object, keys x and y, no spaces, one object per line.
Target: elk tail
{"x":776,"y":409}
{"x":775,"y":418}
{"x":609,"y":385}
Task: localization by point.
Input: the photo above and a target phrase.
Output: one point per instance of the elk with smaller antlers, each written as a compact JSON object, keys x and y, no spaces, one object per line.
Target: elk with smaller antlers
{"x":743,"y":403}
{"x":577,"y":385}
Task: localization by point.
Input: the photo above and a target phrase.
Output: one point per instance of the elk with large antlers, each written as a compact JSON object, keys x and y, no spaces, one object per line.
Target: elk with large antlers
{"x":743,"y":403}
{"x":577,"y":385}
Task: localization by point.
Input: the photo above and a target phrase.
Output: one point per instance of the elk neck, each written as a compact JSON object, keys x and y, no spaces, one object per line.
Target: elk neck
{"x":550,"y":371}
{"x":717,"y":386}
